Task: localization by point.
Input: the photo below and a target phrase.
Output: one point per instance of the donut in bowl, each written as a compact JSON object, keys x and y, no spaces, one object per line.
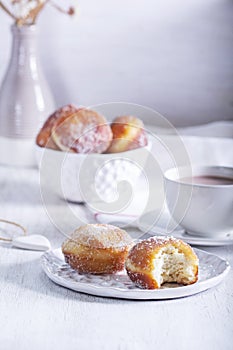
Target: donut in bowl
{"x":128,"y":134}
{"x":157,"y":260}
{"x":84,"y":131}
{"x":44,"y":137}
{"x":77,"y":130}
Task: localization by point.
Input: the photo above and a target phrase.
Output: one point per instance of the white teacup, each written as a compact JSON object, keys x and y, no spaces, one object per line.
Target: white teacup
{"x":200,"y":199}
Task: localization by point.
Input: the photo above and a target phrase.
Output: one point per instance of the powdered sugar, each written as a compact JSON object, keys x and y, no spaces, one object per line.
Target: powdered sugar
{"x":100,"y":236}
{"x":83,"y":132}
{"x":158,"y":240}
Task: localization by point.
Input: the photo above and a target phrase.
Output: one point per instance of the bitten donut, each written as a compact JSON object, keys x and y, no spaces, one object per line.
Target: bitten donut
{"x":158,"y":260}
{"x":44,"y":138}
{"x":128,"y":133}
{"x":84,"y":131}
{"x":97,"y":249}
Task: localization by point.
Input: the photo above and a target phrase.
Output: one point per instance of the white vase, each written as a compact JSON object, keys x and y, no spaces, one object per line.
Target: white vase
{"x":25,"y":99}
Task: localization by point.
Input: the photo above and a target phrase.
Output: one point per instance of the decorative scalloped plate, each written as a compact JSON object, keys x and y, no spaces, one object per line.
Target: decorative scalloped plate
{"x":212,"y":270}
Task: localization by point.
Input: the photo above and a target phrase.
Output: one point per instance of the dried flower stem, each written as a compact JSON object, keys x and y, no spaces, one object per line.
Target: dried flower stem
{"x":32,"y":15}
{"x":7,"y":11}
{"x":60,"y":9}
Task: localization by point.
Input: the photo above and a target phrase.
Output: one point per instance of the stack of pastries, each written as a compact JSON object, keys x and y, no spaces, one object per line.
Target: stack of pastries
{"x":101,"y":249}
{"x":82,"y":130}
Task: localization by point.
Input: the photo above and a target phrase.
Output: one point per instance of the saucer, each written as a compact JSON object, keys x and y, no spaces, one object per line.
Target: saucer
{"x":145,"y":225}
{"x":159,"y":229}
{"x":197,"y":240}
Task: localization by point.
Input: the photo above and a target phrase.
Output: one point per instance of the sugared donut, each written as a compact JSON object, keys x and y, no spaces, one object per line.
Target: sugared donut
{"x":44,"y":138}
{"x":97,"y":249}
{"x":84,"y":131}
{"x":158,"y":260}
{"x":128,"y":133}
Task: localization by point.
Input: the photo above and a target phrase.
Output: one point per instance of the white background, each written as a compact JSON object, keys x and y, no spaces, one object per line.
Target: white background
{"x":175,"y":56}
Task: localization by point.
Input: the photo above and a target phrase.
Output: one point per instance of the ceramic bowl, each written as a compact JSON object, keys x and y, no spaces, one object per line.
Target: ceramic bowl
{"x":90,"y":177}
{"x":201,"y":209}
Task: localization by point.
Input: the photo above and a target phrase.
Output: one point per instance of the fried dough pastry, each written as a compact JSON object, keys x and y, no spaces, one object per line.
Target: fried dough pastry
{"x":158,"y":260}
{"x":97,"y":249}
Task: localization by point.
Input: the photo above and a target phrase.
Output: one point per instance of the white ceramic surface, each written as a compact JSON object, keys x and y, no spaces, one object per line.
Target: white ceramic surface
{"x":25,"y":98}
{"x":212,"y":270}
{"x":17,"y":152}
{"x":197,"y":240}
{"x":147,"y":226}
{"x":202,"y":210}
{"x":90,"y":177}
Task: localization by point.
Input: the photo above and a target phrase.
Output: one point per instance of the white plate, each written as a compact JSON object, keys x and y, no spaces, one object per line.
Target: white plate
{"x":212,"y":270}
